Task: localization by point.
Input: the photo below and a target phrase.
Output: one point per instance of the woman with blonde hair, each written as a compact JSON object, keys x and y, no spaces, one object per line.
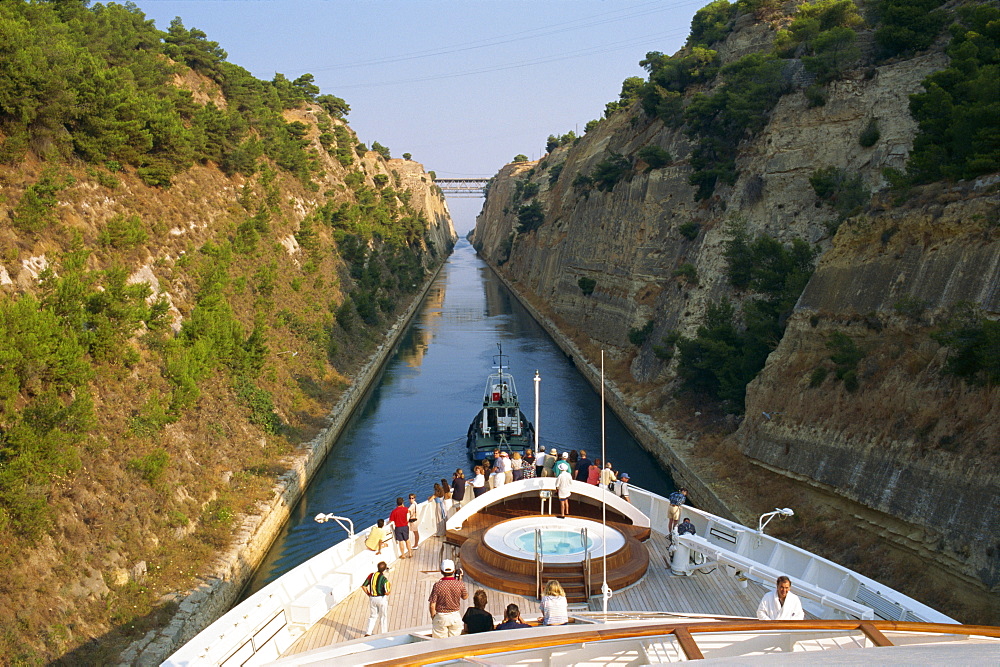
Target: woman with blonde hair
{"x":553,"y":604}
{"x":515,"y":463}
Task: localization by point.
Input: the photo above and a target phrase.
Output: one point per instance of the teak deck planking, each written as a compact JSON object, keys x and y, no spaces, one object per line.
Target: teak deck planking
{"x":659,"y":591}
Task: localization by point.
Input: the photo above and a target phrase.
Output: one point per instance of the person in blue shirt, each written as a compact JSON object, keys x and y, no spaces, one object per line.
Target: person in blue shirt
{"x":686,"y":527}
{"x":513,"y":619}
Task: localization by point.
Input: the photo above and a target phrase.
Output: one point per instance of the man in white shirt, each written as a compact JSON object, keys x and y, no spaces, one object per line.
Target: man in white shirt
{"x":563,"y":483}
{"x":781,"y":604}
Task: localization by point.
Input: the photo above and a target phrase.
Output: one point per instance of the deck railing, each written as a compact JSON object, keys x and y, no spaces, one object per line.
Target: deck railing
{"x":684,"y":636}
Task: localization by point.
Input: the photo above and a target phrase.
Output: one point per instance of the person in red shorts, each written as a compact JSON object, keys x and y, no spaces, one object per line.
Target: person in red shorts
{"x":400,"y":518}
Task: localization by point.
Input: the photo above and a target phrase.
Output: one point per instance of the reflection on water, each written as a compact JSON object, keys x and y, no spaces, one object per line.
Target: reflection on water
{"x":410,"y":430}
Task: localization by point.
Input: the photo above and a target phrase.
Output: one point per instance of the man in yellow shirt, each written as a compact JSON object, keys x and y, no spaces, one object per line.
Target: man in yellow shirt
{"x":377,"y":538}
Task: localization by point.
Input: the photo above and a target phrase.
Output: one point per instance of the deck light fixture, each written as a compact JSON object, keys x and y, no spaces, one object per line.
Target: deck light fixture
{"x":766,"y":518}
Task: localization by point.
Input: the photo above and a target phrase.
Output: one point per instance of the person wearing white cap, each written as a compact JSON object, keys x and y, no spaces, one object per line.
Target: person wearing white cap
{"x":445,"y":602}
{"x":562,"y":465}
{"x":550,"y":461}
{"x":507,"y":467}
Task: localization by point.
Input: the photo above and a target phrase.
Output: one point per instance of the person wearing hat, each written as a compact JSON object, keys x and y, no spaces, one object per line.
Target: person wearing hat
{"x":507,"y":467}
{"x":445,"y":602}
{"x":550,"y":461}
{"x":564,"y":482}
{"x":621,"y":487}
{"x":562,"y":464}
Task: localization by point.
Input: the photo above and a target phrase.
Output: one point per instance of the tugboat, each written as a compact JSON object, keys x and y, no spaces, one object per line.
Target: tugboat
{"x":500,"y":424}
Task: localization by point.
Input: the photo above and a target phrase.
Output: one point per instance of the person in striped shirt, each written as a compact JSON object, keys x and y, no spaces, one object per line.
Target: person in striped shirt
{"x":377,"y":587}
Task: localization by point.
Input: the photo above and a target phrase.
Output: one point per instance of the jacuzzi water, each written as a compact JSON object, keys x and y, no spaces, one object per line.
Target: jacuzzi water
{"x":562,"y":541}
{"x":554,"y":542}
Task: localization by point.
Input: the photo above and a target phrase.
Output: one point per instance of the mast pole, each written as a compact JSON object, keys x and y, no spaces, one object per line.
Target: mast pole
{"x":538,"y":381}
{"x":605,"y":591}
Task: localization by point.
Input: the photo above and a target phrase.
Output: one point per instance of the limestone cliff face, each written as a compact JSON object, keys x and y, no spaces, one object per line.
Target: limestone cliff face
{"x":911,"y":442}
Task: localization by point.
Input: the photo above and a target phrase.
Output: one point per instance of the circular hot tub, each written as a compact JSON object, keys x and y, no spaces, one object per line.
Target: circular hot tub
{"x":562,"y":540}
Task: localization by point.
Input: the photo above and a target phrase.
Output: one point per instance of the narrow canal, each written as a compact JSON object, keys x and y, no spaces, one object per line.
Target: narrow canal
{"x":410,"y":430}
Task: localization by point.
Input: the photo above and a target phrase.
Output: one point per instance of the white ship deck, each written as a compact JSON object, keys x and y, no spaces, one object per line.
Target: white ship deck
{"x":716,"y":593}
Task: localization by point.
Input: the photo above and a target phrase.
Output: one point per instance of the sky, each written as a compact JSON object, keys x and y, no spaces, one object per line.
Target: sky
{"x":463,"y":85}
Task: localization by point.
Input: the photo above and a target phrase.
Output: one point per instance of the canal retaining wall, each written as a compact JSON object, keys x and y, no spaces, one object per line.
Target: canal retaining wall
{"x":232,"y":569}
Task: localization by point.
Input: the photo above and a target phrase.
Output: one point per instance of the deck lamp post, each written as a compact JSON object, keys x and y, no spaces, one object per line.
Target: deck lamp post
{"x":766,"y":518}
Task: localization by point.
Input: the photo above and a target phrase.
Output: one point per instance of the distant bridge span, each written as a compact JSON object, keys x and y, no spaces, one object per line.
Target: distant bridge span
{"x":462,"y":187}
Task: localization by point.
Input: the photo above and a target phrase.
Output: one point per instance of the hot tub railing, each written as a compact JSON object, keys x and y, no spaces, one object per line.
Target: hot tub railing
{"x":538,"y":563}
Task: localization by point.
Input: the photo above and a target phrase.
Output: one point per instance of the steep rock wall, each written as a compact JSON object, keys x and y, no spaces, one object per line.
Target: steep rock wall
{"x":912,"y":443}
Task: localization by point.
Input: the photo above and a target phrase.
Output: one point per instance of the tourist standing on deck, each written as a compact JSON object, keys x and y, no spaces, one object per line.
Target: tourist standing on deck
{"x":476,"y":618}
{"x":562,"y":465}
{"x":677,"y":498}
{"x":458,"y":483}
{"x":497,"y":478}
{"x":540,"y":463}
{"x":550,"y":461}
{"x":607,"y":476}
{"x":781,"y":604}
{"x":400,"y":518}
{"x":489,"y":465}
{"x":438,"y":498}
{"x":686,"y":527}
{"x":478,"y":482}
{"x":529,"y":464}
{"x":377,"y":586}
{"x":563,"y":483}
{"x":507,"y":467}
{"x":447,"y":497}
{"x":517,"y":473}
{"x":621,"y":487}
{"x":574,"y":458}
{"x":414,"y":520}
{"x":582,"y":467}
{"x":554,"y":609}
{"x":445,"y":601}
{"x":594,"y":474}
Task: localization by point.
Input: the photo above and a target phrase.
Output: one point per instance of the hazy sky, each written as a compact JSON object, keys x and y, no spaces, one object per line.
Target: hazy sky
{"x":463,"y":85}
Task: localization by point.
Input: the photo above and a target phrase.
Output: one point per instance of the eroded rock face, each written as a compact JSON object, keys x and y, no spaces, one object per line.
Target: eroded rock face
{"x":911,"y":442}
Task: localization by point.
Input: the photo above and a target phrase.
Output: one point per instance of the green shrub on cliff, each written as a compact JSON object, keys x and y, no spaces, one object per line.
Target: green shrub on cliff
{"x":96,"y":83}
{"x":729,"y":350}
{"x":530,"y":216}
{"x":907,"y":26}
{"x":973,"y":342}
{"x":712,"y":23}
{"x":609,"y":171}
{"x":959,"y":112}
{"x":843,"y":192}
{"x":669,"y":76}
{"x":719,"y":121}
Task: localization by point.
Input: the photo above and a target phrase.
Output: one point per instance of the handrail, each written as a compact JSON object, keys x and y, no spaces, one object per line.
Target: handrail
{"x":538,"y":563}
{"x":586,"y":559}
{"x":323,"y":518}
{"x":684,"y":633}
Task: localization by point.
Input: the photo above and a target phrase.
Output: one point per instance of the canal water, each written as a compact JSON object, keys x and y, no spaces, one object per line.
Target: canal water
{"x":409,"y":432}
